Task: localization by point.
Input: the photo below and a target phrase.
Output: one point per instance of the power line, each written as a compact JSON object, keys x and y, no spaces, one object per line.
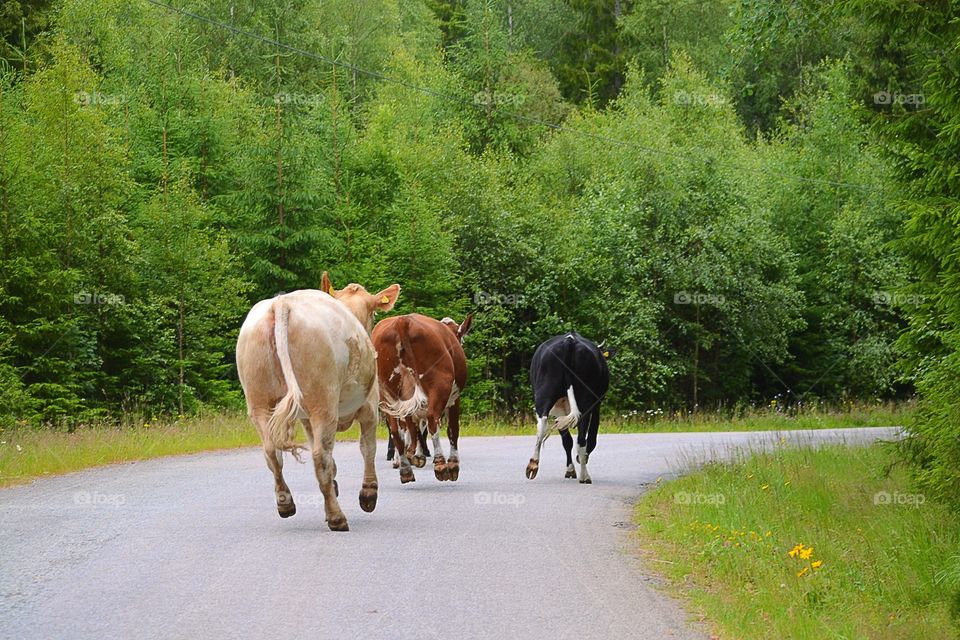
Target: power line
{"x":453,"y":98}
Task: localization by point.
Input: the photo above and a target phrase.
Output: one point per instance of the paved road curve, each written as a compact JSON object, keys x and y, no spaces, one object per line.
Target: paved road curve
{"x":192,"y":547}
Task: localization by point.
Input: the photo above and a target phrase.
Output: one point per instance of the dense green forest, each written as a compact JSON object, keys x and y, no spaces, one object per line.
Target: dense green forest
{"x":753,"y":201}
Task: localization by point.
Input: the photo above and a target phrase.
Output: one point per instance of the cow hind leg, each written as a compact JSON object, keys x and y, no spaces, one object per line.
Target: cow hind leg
{"x":543,"y":430}
{"x":423,"y":443}
{"x":406,"y":471}
{"x":368,"y":448}
{"x":594,"y":429}
{"x":420,"y":455}
{"x":439,"y":461}
{"x":274,"y":458}
{"x":309,"y":431}
{"x":412,"y":438}
{"x":586,"y":442}
{"x":436,"y":404}
{"x":453,"y":435}
{"x":285,"y":504}
{"x":400,"y":438}
{"x":324,"y":435}
{"x":394,"y":441}
{"x":568,"y":448}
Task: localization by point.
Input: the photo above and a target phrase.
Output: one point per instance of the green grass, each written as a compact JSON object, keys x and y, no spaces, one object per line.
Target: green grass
{"x":722,"y":537}
{"x":770,"y":418}
{"x":30,"y":453}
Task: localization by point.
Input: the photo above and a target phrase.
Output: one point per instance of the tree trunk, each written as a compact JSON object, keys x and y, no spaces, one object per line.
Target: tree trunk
{"x":281,"y":212}
{"x":180,"y":332}
{"x":696,"y":359}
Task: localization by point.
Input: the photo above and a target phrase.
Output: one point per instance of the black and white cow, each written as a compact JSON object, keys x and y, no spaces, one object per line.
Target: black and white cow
{"x":569,"y":376}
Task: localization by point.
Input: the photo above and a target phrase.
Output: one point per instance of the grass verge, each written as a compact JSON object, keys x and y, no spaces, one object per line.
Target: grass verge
{"x":807,"y":543}
{"x":26,"y":453}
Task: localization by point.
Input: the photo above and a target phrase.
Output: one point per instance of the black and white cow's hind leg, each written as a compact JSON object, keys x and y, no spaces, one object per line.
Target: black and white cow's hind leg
{"x":568,"y":448}
{"x":543,"y":430}
{"x":565,"y":409}
{"x":587,"y":442}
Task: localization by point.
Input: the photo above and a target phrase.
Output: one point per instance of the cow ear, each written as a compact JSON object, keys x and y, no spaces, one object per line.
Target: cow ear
{"x":387,"y":298}
{"x":325,"y":285}
{"x":465,"y":327}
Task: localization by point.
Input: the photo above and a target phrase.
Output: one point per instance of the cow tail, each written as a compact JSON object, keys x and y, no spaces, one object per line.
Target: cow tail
{"x":416,"y":404}
{"x":572,"y":419}
{"x":281,"y":426}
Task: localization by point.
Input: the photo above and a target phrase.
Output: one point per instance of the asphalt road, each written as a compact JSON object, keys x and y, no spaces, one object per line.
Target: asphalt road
{"x":192,"y":547}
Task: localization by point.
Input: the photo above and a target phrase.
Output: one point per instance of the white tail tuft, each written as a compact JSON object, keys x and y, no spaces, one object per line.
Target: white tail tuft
{"x":409,"y":408}
{"x":281,"y":426}
{"x":573,"y":417}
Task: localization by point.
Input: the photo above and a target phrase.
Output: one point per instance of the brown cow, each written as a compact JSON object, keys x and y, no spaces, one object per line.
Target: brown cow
{"x":307,"y":356}
{"x":422,"y":370}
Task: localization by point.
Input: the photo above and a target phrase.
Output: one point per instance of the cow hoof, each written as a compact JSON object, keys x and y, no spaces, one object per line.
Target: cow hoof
{"x":287,"y":510}
{"x":396,"y":464}
{"x":571,"y":473}
{"x":338,"y":524}
{"x":419,"y":461}
{"x":453,"y":471}
{"x":368,"y":499}
{"x":440,"y":470}
{"x":586,"y":480}
{"x":406,"y":475}
{"x":532,"y":467}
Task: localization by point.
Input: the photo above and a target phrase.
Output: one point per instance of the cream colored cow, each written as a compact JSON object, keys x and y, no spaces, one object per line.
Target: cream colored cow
{"x":307,"y":356}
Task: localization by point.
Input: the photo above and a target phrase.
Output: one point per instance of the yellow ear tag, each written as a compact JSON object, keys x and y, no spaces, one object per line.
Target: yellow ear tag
{"x":384,"y":300}
{"x":606,"y":354}
{"x":330,"y":290}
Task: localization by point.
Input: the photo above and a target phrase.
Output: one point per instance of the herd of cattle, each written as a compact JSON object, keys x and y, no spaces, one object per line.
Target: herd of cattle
{"x":316,"y":356}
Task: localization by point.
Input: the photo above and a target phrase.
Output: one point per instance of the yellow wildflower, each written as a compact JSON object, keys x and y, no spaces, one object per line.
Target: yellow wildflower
{"x":806,"y":553}
{"x":817,"y":564}
{"x":764,"y":487}
{"x":802,"y":572}
{"x":797,"y":549}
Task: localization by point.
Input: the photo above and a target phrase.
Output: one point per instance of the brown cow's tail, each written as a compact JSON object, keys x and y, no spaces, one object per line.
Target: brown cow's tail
{"x":412,"y":407}
{"x":416,"y":404}
{"x":281,"y":426}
